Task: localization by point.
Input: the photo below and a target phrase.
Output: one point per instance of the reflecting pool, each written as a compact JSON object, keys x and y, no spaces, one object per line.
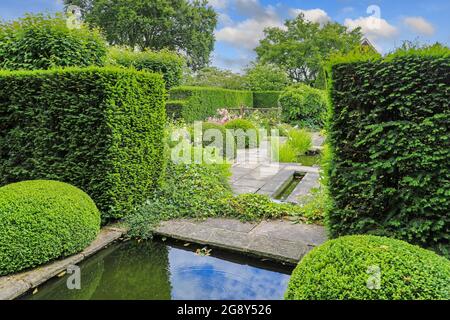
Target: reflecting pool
{"x":169,"y":270}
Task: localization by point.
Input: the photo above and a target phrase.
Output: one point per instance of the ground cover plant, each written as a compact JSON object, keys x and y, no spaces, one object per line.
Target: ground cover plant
{"x":43,"y":220}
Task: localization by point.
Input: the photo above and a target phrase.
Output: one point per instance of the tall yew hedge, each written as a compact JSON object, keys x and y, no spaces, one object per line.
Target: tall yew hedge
{"x":100,"y":129}
{"x":389,"y":133}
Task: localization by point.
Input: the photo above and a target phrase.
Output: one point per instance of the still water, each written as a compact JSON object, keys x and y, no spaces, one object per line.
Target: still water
{"x":160,"y":270}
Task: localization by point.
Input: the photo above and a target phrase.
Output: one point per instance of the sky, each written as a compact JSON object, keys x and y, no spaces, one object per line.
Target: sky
{"x":385,"y":23}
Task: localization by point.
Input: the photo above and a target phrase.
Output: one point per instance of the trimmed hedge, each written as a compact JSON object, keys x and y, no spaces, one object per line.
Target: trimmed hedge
{"x":304,"y":105}
{"x":266,"y":99}
{"x":100,"y":129}
{"x":389,"y":135}
{"x":43,"y":220}
{"x":43,"y":42}
{"x":203,"y":102}
{"x":370,"y":268}
{"x":168,"y":63}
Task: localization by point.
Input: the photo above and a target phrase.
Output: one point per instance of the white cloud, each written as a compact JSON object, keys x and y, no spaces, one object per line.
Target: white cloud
{"x":313,"y":15}
{"x":225,"y":19}
{"x":246,"y":34}
{"x":218,"y":4}
{"x":374,"y":28}
{"x":419,"y":25}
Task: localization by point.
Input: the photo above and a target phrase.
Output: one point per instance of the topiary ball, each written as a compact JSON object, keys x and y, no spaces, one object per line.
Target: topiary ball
{"x":43,"y":220}
{"x":245,"y":132}
{"x":370,"y":268}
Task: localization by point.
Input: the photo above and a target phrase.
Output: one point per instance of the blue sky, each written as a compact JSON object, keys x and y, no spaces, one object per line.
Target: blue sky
{"x":241,"y":22}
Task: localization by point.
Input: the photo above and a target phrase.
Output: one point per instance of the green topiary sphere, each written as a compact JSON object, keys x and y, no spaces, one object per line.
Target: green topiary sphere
{"x":43,"y":220}
{"x":347,"y":268}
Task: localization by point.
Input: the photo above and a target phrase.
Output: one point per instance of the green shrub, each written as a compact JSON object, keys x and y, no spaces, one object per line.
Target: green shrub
{"x":245,"y":133}
{"x":43,"y":42}
{"x":43,"y":220}
{"x":168,"y":63}
{"x":188,"y":191}
{"x":389,"y":137}
{"x":266,"y":99}
{"x":304,"y":105}
{"x":299,"y":141}
{"x":209,"y":138}
{"x":343,"y":269}
{"x":100,"y":129}
{"x":202,"y":102}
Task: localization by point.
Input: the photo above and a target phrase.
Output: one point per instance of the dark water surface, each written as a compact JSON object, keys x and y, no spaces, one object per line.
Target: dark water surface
{"x":159,"y":270}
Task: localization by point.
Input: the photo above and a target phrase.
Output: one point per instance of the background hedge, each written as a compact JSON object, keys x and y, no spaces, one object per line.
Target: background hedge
{"x":203,"y":102}
{"x":100,"y":129}
{"x":43,"y":220}
{"x":166,"y":62}
{"x":390,"y":138}
{"x":347,"y":267}
{"x":266,"y":99}
{"x":43,"y":42}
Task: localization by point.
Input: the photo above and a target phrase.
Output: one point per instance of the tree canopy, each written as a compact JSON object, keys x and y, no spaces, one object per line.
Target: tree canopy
{"x":215,"y":77}
{"x":180,"y":25}
{"x":265,"y":77}
{"x":302,"y":47}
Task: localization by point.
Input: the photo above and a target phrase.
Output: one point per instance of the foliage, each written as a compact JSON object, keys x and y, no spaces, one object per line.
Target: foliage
{"x":202,"y":102}
{"x":299,"y":141}
{"x":223,"y":116}
{"x":302,"y":47}
{"x":245,"y":133}
{"x":215,"y":77}
{"x":266,"y":99}
{"x":264,"y":120}
{"x":168,"y":63}
{"x":346,"y":268}
{"x":304,"y":105}
{"x":43,"y":42}
{"x":389,"y":136}
{"x":100,"y":129}
{"x":265,"y":77}
{"x":43,"y":220}
{"x":189,"y":190}
{"x":214,"y":135}
{"x":177,"y":25}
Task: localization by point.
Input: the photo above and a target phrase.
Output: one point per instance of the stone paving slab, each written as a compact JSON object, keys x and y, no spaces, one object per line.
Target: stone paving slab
{"x":13,"y":286}
{"x":278,"y":240}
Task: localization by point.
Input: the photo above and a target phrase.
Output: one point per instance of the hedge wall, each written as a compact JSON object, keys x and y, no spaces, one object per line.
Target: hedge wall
{"x":100,"y":129}
{"x":203,"y":102}
{"x":166,"y":62}
{"x":389,"y":133}
{"x":266,"y":99}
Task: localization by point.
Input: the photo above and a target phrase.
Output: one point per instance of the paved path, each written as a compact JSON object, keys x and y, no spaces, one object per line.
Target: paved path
{"x":254,"y":172}
{"x":278,"y":240}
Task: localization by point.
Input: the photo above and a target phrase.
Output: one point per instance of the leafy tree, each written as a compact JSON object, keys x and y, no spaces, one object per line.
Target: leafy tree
{"x":215,"y":77}
{"x":265,"y":77}
{"x":179,"y":25}
{"x":302,"y":48}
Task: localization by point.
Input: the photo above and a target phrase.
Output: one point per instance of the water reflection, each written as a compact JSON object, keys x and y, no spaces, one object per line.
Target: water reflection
{"x":155,"y":270}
